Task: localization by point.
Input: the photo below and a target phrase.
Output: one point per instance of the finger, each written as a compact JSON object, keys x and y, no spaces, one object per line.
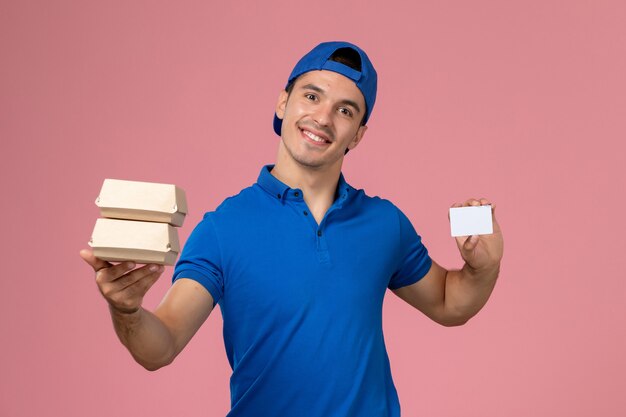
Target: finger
{"x":493,"y":211}
{"x":484,"y":202}
{"x":460,"y":240}
{"x":147,"y":281}
{"x":470,"y":243}
{"x":496,"y":225}
{"x":137,"y":275}
{"x":455,"y":205}
{"x":114,"y":272}
{"x":126,"y":292}
{"x":471,"y":202}
{"x":96,"y":263}
{"x":138,"y":289}
{"x":465,"y":242}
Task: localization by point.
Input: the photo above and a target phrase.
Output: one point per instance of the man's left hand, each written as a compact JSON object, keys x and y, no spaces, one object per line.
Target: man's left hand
{"x":482,"y":252}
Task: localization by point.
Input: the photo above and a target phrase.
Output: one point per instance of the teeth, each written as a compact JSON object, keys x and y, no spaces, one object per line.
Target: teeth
{"x":314,"y":137}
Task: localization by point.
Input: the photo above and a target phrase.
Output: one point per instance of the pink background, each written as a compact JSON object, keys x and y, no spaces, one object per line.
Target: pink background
{"x":520,"y":102}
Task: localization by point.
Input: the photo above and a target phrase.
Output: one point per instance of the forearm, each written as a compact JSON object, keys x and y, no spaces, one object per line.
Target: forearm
{"x":467,"y":291}
{"x":145,"y":336}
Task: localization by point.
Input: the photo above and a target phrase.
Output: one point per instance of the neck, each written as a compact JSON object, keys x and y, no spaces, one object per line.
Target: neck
{"x":318,"y":184}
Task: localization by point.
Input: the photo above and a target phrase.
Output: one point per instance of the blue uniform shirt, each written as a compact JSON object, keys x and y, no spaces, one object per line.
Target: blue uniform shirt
{"x":302,"y":302}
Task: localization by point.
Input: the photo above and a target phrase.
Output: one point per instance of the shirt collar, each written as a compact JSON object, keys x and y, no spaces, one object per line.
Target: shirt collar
{"x":282,"y":191}
{"x":271,"y":184}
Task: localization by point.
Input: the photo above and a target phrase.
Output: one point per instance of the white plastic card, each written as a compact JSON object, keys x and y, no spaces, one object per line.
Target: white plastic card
{"x":472,"y":220}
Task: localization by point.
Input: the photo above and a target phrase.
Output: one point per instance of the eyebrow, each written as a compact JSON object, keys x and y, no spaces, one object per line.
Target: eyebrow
{"x":322,"y":91}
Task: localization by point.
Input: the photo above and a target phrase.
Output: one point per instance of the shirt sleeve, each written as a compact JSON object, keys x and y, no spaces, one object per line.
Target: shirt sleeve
{"x":200,"y":259}
{"x":414,"y":261}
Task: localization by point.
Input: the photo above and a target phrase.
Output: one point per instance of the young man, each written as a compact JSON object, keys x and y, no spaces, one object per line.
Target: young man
{"x":299,"y":264}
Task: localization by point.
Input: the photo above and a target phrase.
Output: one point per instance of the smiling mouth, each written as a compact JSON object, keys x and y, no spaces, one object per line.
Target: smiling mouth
{"x":314,"y":137}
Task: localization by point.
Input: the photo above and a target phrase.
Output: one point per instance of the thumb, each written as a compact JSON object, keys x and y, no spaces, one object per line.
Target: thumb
{"x":470,"y":243}
{"x":96,"y":263}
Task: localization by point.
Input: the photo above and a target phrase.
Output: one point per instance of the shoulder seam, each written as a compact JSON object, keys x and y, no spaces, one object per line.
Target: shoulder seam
{"x":219,"y":246}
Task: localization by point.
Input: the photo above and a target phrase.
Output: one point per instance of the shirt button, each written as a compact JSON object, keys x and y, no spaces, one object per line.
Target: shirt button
{"x":296,"y":193}
{"x":278,"y":195}
{"x":305,"y":213}
{"x":319,"y":233}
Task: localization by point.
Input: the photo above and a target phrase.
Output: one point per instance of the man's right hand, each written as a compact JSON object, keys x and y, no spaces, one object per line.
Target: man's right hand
{"x":154,"y":339}
{"x":122,"y":286}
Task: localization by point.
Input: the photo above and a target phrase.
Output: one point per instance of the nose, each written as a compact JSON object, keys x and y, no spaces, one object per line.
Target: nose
{"x":323,"y":115}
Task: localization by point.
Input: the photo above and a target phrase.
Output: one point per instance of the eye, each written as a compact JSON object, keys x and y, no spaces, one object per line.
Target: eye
{"x":310,"y":96}
{"x":345,"y":111}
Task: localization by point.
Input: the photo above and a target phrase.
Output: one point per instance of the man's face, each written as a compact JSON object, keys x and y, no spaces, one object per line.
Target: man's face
{"x":321,"y":118}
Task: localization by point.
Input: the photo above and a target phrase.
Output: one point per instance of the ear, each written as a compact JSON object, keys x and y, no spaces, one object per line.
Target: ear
{"x":357,"y":138}
{"x":281,"y":104}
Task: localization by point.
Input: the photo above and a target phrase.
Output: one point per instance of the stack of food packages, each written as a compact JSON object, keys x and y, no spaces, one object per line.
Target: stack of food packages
{"x":139,"y":223}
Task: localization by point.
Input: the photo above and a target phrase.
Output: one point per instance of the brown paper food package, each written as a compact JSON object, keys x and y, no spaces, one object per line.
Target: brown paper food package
{"x":146,"y":201}
{"x":129,"y":240}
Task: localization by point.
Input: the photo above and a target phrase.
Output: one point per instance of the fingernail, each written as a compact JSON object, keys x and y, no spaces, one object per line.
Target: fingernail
{"x":153,"y":268}
{"x":130,"y":265}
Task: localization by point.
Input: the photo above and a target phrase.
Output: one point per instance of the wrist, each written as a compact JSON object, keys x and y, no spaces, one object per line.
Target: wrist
{"x":124,"y":312}
{"x":486,"y":270}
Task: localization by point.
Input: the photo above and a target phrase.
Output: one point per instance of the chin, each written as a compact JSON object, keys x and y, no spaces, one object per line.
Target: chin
{"x":309,"y":162}
{"x":308,"y":158}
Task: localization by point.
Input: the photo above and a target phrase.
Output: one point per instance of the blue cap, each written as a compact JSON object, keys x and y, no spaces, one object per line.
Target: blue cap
{"x":319,"y":59}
